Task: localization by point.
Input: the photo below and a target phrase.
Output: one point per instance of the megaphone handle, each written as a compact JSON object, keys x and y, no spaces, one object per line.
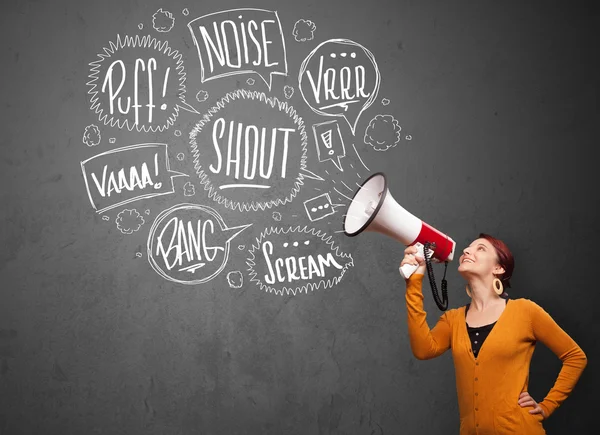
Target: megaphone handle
{"x":408,"y":269}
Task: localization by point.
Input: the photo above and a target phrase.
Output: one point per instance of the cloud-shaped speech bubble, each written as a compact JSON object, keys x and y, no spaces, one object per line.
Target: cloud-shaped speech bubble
{"x":235,"y":279}
{"x":296,"y":260}
{"x":240,"y":41}
{"x":138,"y":82}
{"x":129,"y":221}
{"x":383,"y":132}
{"x":250,"y":151}
{"x":91,"y":135}
{"x":123,"y":175}
{"x":304,"y":30}
{"x":339,"y":78}
{"x":190,"y":243}
{"x":163,"y":21}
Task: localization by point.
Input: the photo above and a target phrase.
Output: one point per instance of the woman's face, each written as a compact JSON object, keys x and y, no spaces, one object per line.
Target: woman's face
{"x":480,"y":259}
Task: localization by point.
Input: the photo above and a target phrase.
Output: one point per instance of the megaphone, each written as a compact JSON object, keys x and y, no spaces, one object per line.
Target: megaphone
{"x":374,"y":209}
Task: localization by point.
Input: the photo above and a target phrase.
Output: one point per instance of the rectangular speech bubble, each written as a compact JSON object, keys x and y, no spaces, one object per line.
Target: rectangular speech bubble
{"x":123,"y":175}
{"x":240,"y":41}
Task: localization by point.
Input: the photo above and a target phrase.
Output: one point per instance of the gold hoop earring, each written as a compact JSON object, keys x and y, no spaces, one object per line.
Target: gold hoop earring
{"x":468,"y":291}
{"x":498,"y":287}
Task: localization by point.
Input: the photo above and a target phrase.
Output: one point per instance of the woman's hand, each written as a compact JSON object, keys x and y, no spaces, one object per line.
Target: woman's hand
{"x":411,"y":258}
{"x":526,"y":400}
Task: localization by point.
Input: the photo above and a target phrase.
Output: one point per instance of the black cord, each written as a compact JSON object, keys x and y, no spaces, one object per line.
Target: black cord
{"x":441,"y":303}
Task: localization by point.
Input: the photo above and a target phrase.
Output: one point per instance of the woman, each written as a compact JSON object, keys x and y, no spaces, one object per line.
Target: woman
{"x":492,"y":340}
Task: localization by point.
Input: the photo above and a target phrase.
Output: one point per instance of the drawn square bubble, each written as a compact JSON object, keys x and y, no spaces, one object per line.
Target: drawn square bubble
{"x":319,"y":207}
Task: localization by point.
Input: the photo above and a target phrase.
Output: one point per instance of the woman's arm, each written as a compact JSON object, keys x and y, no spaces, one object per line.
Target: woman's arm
{"x":546,"y":330}
{"x":425,"y":343}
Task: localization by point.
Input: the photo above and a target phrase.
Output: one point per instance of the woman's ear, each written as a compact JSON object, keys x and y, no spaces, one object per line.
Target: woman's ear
{"x":499,"y":270}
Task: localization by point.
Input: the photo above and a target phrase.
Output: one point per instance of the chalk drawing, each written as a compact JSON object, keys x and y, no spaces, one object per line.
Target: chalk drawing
{"x":319,"y":207}
{"x":177,"y":133}
{"x":235,"y":279}
{"x":385,"y":101}
{"x":329,"y":142}
{"x":163,"y":21}
{"x":190,"y":243}
{"x":147,"y":212}
{"x":361,"y":160}
{"x":339,"y":78}
{"x":123,"y":175}
{"x":347,"y":187}
{"x":276,"y":216}
{"x":140,"y":26}
{"x":288,"y":91}
{"x":345,"y":196}
{"x":250,"y":81}
{"x":180,"y":156}
{"x":241,"y":247}
{"x":408,"y":137}
{"x":245,"y":160}
{"x":117,"y":87}
{"x":383,"y":132}
{"x":129,"y":221}
{"x":202,"y":96}
{"x":91,"y":135}
{"x":189,"y":189}
{"x":112,"y":140}
{"x":304,"y":30}
{"x":240,"y":41}
{"x":138,"y":254}
{"x":296,"y":260}
{"x":105,"y":218}
{"x":185,"y":12}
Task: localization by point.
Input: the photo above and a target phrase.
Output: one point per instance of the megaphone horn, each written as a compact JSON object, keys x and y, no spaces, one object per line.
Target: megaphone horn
{"x":374,"y":209}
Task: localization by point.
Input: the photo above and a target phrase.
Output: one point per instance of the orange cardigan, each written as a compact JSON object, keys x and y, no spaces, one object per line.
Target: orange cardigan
{"x":489,"y":386}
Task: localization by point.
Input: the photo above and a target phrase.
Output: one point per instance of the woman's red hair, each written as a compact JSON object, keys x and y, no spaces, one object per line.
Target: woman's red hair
{"x":505,"y":257}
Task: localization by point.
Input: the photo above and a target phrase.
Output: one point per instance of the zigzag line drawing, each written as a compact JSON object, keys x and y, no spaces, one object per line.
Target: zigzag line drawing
{"x":213,"y":192}
{"x":327,"y":239}
{"x":135,"y":41}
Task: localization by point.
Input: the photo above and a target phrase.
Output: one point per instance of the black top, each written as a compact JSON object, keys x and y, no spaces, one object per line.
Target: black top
{"x":478,"y":334}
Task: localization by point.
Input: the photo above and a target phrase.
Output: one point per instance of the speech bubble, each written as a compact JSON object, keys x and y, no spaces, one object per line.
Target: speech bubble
{"x":329,"y":142}
{"x":190,"y":243}
{"x":250,"y":151}
{"x":123,"y":175}
{"x":138,"y":82}
{"x":383,"y":132}
{"x":319,"y":207}
{"x":296,"y":260}
{"x":339,"y":78}
{"x":240,"y":41}
{"x":129,"y":221}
